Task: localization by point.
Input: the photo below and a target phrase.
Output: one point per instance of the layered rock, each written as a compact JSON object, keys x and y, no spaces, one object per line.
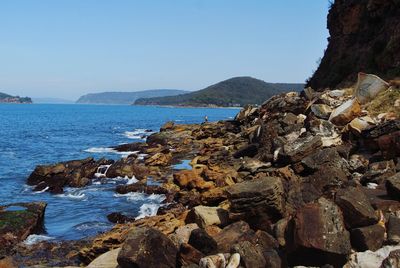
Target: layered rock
{"x":364,"y":36}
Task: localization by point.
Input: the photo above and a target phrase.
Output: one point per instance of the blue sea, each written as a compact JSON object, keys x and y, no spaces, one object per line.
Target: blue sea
{"x":47,"y":133}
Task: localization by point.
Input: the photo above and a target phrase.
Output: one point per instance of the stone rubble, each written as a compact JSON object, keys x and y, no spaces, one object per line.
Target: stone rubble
{"x":306,"y":179}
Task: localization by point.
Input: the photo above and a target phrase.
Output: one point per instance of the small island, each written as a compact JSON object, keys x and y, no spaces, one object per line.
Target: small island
{"x":5,"y":98}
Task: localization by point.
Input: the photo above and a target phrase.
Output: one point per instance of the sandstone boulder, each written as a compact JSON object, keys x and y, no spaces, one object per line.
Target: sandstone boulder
{"x":320,"y":236}
{"x":189,"y":255}
{"x":393,"y":230}
{"x":262,"y":197}
{"x":345,"y":112}
{"x":356,"y":208}
{"x":299,"y":149}
{"x":204,"y":216}
{"x":202,"y":241}
{"x":250,"y":255}
{"x":147,"y":247}
{"x":127,"y":167}
{"x":393,"y":186}
{"x":189,"y":179}
{"x":368,"y":238}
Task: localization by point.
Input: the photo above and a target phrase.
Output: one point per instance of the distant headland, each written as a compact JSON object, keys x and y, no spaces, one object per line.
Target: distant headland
{"x":234,"y":92}
{"x":5,"y":98}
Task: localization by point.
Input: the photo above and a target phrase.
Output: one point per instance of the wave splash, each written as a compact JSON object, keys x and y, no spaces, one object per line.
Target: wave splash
{"x":34,"y":239}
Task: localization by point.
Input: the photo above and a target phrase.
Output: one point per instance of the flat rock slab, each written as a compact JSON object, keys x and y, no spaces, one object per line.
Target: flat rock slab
{"x":18,"y":221}
{"x":106,"y":260}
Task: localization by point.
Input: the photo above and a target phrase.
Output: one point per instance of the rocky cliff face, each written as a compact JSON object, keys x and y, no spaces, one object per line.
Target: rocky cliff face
{"x":364,"y":37}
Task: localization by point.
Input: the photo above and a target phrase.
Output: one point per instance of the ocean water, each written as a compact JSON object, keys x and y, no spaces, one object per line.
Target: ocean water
{"x":37,"y":134}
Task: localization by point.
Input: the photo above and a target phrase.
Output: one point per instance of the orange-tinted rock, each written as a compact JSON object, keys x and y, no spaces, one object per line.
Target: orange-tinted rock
{"x":191,"y":180}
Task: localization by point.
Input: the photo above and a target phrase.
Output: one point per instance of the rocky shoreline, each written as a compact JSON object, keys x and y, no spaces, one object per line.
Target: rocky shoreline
{"x":306,"y":179}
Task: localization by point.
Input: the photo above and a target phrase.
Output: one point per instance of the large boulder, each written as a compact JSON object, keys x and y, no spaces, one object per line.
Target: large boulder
{"x":127,"y":167}
{"x":299,"y":149}
{"x":320,"y":235}
{"x":368,"y":238}
{"x":190,"y":179}
{"x":393,"y":186}
{"x":251,"y":256}
{"x":189,"y":255}
{"x":203,"y":242}
{"x":147,"y":247}
{"x":323,"y":171}
{"x":205,"y":216}
{"x":393,"y":230}
{"x":159,"y":159}
{"x":356,"y":208}
{"x":106,"y":260}
{"x":18,"y":221}
{"x":346,"y":112}
{"x":233,"y":233}
{"x":262,"y":197}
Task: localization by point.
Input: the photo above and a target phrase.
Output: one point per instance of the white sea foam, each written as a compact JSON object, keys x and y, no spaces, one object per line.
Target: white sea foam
{"x":132,"y":196}
{"x":132,"y":180}
{"x":141,"y":156}
{"x":90,"y":225}
{"x":137,"y":134}
{"x":100,"y":150}
{"x":147,"y":210}
{"x":105,"y":150}
{"x":102,"y":171}
{"x":34,"y":238}
{"x":42,"y":191}
{"x":73,"y":194}
{"x":136,"y":196}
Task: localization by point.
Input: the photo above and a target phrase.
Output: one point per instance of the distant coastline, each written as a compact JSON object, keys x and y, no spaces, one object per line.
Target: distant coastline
{"x":5,"y":98}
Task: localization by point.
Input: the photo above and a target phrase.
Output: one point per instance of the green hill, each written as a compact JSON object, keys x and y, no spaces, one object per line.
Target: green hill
{"x":5,"y":98}
{"x":126,"y":97}
{"x":237,"y":91}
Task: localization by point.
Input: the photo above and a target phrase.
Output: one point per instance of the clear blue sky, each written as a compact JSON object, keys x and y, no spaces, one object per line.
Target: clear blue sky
{"x":66,"y":48}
